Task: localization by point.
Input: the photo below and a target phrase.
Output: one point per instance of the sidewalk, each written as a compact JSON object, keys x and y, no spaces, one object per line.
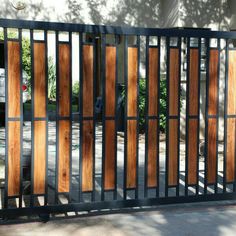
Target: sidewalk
{"x":214,"y":218}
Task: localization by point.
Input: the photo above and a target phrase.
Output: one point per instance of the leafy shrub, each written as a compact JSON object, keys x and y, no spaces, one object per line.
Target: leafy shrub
{"x":75,"y":92}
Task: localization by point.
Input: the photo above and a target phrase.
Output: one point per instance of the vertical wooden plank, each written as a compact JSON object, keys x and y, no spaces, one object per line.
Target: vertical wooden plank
{"x":64,"y":156}
{"x":88,"y":81}
{"x":213,"y":85}
{"x":132,"y":81}
{"x":109,"y":175}
{"x":152,"y":153}
{"x":87,"y":156}
{"x":211,"y":150}
{"x":64,"y":79}
{"x":173,"y":152}
{"x":153,"y":82}
{"x":39,"y":80}
{"x":110,"y":80}
{"x":13,"y":79}
{"x":192,"y":151}
{"x":174,"y":82}
{"x":14,"y":158}
{"x":131,"y":154}
{"x":39,"y":156}
{"x":193,"y":82}
{"x":231,"y":109}
{"x":230,"y":157}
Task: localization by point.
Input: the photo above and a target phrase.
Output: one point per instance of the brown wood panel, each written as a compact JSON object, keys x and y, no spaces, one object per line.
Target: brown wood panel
{"x":110,"y":80}
{"x":39,"y":156}
{"x":132,"y":81}
{"x":153,"y":82}
{"x":88,"y":80}
{"x":213,"y":85}
{"x":231,"y":109}
{"x":14,"y":158}
{"x":230,"y":157}
{"x":64,"y":156}
{"x":64,"y":79}
{"x":152,"y":153}
{"x":13,"y":79}
{"x":193,"y":82}
{"x":39,"y":80}
{"x":174,"y":82}
{"x":211,"y":151}
{"x":109,"y":177}
{"x":131,"y":153}
{"x":192,"y":151}
{"x":87,"y":156}
{"x":173,"y":152}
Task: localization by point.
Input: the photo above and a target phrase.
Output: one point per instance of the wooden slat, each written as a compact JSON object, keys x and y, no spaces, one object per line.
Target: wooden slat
{"x":153,"y":82}
{"x":173,"y":152}
{"x":213,"y":85}
{"x":211,"y":150}
{"x":39,"y":156}
{"x":131,"y":153}
{"x":192,"y":151}
{"x":110,"y":80}
{"x":14,"y":158}
{"x":64,"y":79}
{"x":174,"y":82}
{"x":132,"y":81}
{"x":193,"y":82}
{"x":64,"y":156}
{"x":231,"y":109}
{"x":152,"y":153}
{"x":87,"y":156}
{"x":109,"y":177}
{"x":88,"y":80}
{"x":13,"y":79}
{"x":230,"y":157}
{"x":39,"y":80}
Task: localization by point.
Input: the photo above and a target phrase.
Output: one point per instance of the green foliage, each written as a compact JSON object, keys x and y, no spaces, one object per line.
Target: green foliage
{"x":51,"y":80}
{"x":75,"y":92}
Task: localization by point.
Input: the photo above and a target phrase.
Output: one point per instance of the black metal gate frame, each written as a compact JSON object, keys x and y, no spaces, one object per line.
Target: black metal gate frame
{"x":126,"y":31}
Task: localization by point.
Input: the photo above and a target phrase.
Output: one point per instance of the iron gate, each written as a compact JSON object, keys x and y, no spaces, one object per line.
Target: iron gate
{"x":198,"y":69}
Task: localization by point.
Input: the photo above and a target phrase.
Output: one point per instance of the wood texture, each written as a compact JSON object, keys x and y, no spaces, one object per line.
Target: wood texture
{"x":13,"y":79}
{"x":192,"y":151}
{"x":110,"y":80}
{"x":39,"y":156}
{"x":132,"y":81}
{"x":174,"y":82}
{"x":173,"y":152}
{"x":109,"y":177}
{"x":87,"y":156}
{"x":88,"y":80}
{"x":39,"y":80}
{"x":64,"y":79}
{"x":230,"y":157}
{"x":211,"y":151}
{"x":64,"y":156}
{"x":152,"y":153}
{"x":193,"y":82}
{"x":213,"y":82}
{"x":14,"y":158}
{"x":153,"y":82}
{"x":131,"y":153}
{"x":231,"y":109}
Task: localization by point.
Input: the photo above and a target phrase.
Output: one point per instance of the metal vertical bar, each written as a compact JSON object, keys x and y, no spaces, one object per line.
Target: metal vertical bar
{"x":32,"y":117}
{"x":225,"y":111}
{"x":146,"y":119}
{"x":167,"y":114}
{"x":6,"y":118}
{"x":80,"y":113}
{"x":125,"y":116}
{"x":103,"y":77}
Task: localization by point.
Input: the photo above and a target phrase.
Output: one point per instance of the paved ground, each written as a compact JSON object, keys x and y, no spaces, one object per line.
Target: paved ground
{"x":188,"y":220}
